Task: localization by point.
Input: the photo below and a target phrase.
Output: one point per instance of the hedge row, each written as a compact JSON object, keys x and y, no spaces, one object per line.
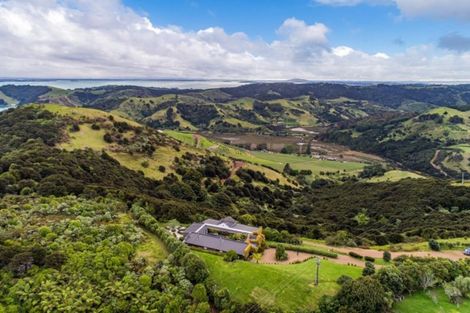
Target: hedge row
{"x":196,"y":269}
{"x":305,"y":249}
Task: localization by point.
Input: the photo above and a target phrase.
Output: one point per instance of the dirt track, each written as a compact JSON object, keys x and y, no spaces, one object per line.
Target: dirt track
{"x":450,"y":254}
{"x":344,"y":258}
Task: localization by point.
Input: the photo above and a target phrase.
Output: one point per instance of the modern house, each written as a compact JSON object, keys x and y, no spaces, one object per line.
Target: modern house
{"x":219,"y":235}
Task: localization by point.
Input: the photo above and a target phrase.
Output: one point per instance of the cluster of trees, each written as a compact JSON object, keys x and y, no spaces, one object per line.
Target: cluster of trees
{"x":373,"y":170}
{"x":414,"y":151}
{"x":383,"y":213}
{"x":376,"y":291}
{"x":82,"y":256}
{"x":281,"y":236}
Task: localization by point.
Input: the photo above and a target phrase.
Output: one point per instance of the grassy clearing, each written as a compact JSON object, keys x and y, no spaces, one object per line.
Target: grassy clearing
{"x":162,"y":156}
{"x":395,"y":175}
{"x":152,"y":250}
{"x":289,"y":287}
{"x":189,"y":139}
{"x":434,"y":301}
{"x":90,"y":138}
{"x":86,"y":137}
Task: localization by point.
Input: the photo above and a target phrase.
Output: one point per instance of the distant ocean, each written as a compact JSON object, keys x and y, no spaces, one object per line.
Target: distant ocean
{"x":90,"y":83}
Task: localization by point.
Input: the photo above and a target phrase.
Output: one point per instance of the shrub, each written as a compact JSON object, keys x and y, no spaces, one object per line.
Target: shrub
{"x":364,"y":295}
{"x":369,"y":269}
{"x":355,"y":255}
{"x":75,"y":127}
{"x":55,"y":260}
{"x":199,"y":293}
{"x":343,"y":279}
{"x":391,"y":279}
{"x":305,"y":249}
{"x":230,"y":256}
{"x":162,"y":169}
{"x":387,"y":256}
{"x":434,"y":245}
{"x":95,"y":126}
{"x":369,"y":258}
{"x":108,"y":138}
{"x":195,"y":268}
{"x":281,"y":254}
{"x":145,"y":164}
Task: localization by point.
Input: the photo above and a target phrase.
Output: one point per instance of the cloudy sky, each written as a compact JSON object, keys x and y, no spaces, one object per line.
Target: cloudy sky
{"x":381,"y":40}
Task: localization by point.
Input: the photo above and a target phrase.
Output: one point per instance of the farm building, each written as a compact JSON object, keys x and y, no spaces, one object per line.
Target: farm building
{"x":221,"y":235}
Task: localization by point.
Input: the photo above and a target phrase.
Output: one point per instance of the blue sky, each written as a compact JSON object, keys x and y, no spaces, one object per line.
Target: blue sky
{"x":380,"y":40}
{"x":370,"y":27}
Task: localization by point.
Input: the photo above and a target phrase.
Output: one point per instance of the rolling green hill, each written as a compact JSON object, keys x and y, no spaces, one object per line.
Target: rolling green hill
{"x":432,"y":142}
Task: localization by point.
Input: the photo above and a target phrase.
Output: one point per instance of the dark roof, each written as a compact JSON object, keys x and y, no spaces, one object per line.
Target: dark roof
{"x":197,"y":234}
{"x":193,"y":228}
{"x":215,"y":243}
{"x":230,"y":222}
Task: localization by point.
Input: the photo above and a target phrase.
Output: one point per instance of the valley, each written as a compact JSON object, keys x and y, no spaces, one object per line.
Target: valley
{"x":327,"y":185}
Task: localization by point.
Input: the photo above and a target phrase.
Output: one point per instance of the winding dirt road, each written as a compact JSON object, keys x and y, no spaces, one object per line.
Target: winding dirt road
{"x":436,"y":166}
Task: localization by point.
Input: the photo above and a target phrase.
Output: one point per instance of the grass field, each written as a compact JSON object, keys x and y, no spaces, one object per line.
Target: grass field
{"x":273,"y":160}
{"x":395,"y":175}
{"x":434,"y":301}
{"x":279,"y":160}
{"x":287,"y":286}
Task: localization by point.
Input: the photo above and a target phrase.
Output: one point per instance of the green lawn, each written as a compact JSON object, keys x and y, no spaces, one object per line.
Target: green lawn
{"x":430,"y":302}
{"x":287,"y":286}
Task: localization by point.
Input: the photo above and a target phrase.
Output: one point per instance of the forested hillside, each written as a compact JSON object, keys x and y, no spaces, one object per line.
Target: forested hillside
{"x":251,"y":106}
{"x":431,"y":142}
{"x":84,"y":193}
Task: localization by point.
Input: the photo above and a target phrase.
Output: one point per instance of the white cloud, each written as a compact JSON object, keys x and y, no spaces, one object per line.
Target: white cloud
{"x":453,"y":9}
{"x":342,"y":51}
{"x":105,"y":39}
{"x":382,"y":55}
{"x":459,"y":9}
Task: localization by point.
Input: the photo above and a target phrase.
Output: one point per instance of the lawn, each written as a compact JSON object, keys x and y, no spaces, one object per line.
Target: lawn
{"x":289,"y":287}
{"x":430,"y":302}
